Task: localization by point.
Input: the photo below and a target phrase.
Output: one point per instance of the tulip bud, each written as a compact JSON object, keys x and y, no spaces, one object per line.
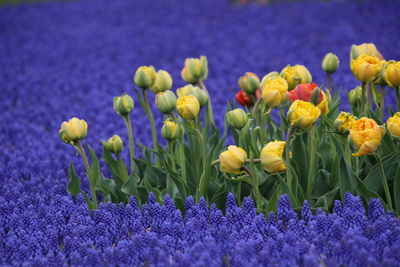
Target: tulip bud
{"x":244,"y":99}
{"x":237,"y":118}
{"x":303,"y":115}
{"x":232,"y":160}
{"x":114,"y":144}
{"x":195,"y":70}
{"x":295,"y":75}
{"x":162,"y":83}
{"x":249,"y":83}
{"x":355,"y":96}
{"x":393,"y":125}
{"x":186,"y":90}
{"x":145,"y":77}
{"x":171,"y":130}
{"x":188,"y":107}
{"x":366,"y":49}
{"x":391,"y":74}
{"x":271,"y":157}
{"x":330,"y":63}
{"x":343,"y":122}
{"x":274,"y":91}
{"x":166,"y":101}
{"x":315,"y":96}
{"x":73,"y":130}
{"x":201,"y":95}
{"x":271,"y":75}
{"x":123,"y":105}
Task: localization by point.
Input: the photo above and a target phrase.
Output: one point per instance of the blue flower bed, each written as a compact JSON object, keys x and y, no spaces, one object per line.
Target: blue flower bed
{"x":60,"y":60}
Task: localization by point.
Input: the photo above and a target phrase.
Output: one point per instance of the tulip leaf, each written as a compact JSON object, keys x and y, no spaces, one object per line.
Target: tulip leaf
{"x":347,"y":182}
{"x":273,"y":201}
{"x":131,"y":186}
{"x":326,"y":201}
{"x":285,"y":189}
{"x":95,"y":167}
{"x":74,"y":186}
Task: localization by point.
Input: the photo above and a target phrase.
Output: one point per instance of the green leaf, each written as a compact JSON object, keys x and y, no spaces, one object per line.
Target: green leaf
{"x":95,"y":167}
{"x":130,"y":188}
{"x":273,"y":201}
{"x":326,"y":201}
{"x":74,"y":186}
{"x":347,"y":182}
{"x":285,"y":189}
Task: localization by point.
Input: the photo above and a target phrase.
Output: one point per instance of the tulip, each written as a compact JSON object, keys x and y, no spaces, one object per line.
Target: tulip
{"x":188,"y":107}
{"x":366,"y":68}
{"x":274,"y":91}
{"x":201,"y":95}
{"x":244,"y":99}
{"x":123,"y":105}
{"x":73,"y":130}
{"x":295,"y":75}
{"x":271,"y":157}
{"x":366,"y":135}
{"x":162,"y":83}
{"x":249,"y":83}
{"x":232,"y":160}
{"x":364,"y":49}
{"x":166,"y":101}
{"x":355,"y":96}
{"x":330,"y":63}
{"x":145,"y":77}
{"x":343,"y":122}
{"x":237,"y":118}
{"x":273,"y":74}
{"x":393,"y":125}
{"x":303,"y":115}
{"x":391,"y":74}
{"x":309,"y":92}
{"x":171,"y":130}
{"x":195,"y":70}
{"x":186,"y":90}
{"x":114,"y":144}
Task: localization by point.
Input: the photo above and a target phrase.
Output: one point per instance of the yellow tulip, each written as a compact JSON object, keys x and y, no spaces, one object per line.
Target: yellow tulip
{"x":364,"y":49}
{"x":186,"y":90}
{"x":324,"y":104}
{"x":393,"y":125}
{"x":366,"y":68}
{"x":237,"y":118}
{"x":188,"y":107}
{"x":114,"y":144}
{"x":171,"y":130}
{"x":166,"y":101}
{"x":271,"y":157}
{"x":303,"y":114}
{"x":162,"y":83}
{"x":366,"y":135}
{"x":73,"y":130}
{"x":295,"y":75}
{"x":195,"y":70}
{"x":343,"y":122}
{"x":123,"y":105}
{"x":145,"y":77}
{"x":392,"y":74}
{"x":233,"y":159}
{"x":274,"y":91}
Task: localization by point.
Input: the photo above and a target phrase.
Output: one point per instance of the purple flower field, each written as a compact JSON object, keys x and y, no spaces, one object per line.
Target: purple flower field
{"x":60,"y":60}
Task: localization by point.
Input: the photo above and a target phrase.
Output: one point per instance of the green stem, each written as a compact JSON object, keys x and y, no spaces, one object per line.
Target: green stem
{"x":363,"y":98}
{"x":171,"y":150}
{"x":397,"y":90}
{"x":329,"y":81}
{"x":382,"y":102}
{"x":370,"y":97}
{"x":209,"y":111}
{"x":255,"y":188}
{"x":313,"y":161}
{"x":384,"y":182}
{"x":128,"y":125}
{"x":87,"y":167}
{"x":287,"y":157}
{"x":151,"y":119}
{"x":182,"y":159}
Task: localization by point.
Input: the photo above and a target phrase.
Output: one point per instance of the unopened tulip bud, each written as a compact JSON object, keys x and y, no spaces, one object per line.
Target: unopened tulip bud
{"x":391,"y":74}
{"x":366,"y":49}
{"x":188,"y":107}
{"x":162,"y":83}
{"x":73,"y":130}
{"x":343,"y":122}
{"x":393,"y":125}
{"x":249,"y":83}
{"x":171,"y":130}
{"x":114,"y":144}
{"x":186,"y":90}
{"x":195,"y":70}
{"x":270,"y":75}
{"x":123,"y":105}
{"x":330,"y":63}
{"x":145,"y":77}
{"x":201,"y":95}
{"x":295,"y":75}
{"x":315,"y":96}
{"x":166,"y":101}
{"x":355,"y":96}
{"x":237,"y":118}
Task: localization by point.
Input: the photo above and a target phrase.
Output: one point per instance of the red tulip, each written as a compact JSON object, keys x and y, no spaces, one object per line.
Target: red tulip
{"x":304,"y":92}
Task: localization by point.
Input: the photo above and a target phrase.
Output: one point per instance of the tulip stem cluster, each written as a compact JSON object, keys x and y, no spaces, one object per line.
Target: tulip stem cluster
{"x":313,"y":160}
{"x":150,"y":116}
{"x":384,"y":182}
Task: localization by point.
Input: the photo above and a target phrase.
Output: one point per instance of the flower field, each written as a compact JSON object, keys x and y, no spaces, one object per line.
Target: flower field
{"x":164,"y":200}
